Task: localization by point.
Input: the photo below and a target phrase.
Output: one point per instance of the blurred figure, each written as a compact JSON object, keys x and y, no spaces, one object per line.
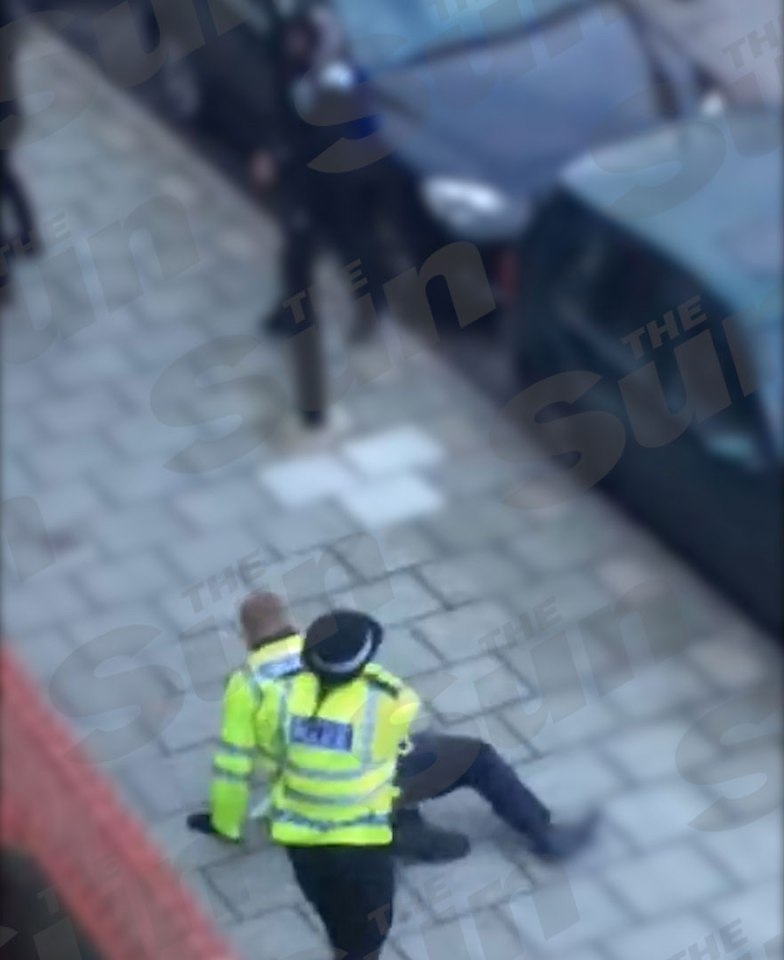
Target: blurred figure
{"x":316,"y":76}
{"x":17,"y":225}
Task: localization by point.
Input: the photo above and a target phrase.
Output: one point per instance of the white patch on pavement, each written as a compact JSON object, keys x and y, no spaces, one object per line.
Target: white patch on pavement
{"x":393,"y":451}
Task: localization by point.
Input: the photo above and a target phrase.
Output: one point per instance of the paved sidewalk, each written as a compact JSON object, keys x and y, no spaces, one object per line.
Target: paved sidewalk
{"x":146,"y":486}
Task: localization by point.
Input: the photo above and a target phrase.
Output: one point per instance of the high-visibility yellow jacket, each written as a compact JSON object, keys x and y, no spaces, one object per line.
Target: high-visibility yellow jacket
{"x":244,"y":745}
{"x":338,"y":756}
{"x":333,"y":773}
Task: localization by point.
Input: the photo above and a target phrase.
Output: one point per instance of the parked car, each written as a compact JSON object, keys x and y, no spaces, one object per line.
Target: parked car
{"x":480,"y":104}
{"x":657,"y":266}
{"x":483,"y":108}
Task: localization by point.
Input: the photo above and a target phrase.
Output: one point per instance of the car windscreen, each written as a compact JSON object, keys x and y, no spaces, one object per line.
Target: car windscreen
{"x":389,"y":31}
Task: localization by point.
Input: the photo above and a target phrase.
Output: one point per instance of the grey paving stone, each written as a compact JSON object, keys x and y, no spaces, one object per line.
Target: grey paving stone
{"x":41,"y":654}
{"x":749,"y":852}
{"x":205,"y":509}
{"x":166,"y":785}
{"x":393,"y":600}
{"x":572,"y":596}
{"x":141,"y":434}
{"x":607,"y":848}
{"x":133,"y":528}
{"x":480,"y":935}
{"x":140,"y":481}
{"x":80,"y":414}
{"x":90,"y":631}
{"x":196,"y":722}
{"x":647,"y":751}
{"x":560,"y":720}
{"x":24,"y":614}
{"x":654,"y":814}
{"x":185,"y":849}
{"x":22,"y":384}
{"x":474,"y":576}
{"x":571,"y":782}
{"x":213,"y":906}
{"x":665,"y":880}
{"x":663,"y":939}
{"x":579,"y":536}
{"x":116,"y":713}
{"x":763,"y":759}
{"x":207,"y":649}
{"x":66,"y":460}
{"x":405,"y":654}
{"x":304,"y":576}
{"x":315,"y":526}
{"x":731,"y":661}
{"x":232,"y":548}
{"x":468,"y":631}
{"x":385,"y":551}
{"x":257,"y":883}
{"x":467,"y":524}
{"x":552,"y":664}
{"x":93,"y":364}
{"x":481,"y":880}
{"x":66,"y":506}
{"x":492,"y":728}
{"x":659,"y":691}
{"x":560,"y":918}
{"x":475,"y":473}
{"x":470,"y":688}
{"x":285,"y":934}
{"x":141,"y":574}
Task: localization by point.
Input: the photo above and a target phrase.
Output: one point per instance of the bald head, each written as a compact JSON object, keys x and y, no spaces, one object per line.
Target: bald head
{"x":264,"y":617}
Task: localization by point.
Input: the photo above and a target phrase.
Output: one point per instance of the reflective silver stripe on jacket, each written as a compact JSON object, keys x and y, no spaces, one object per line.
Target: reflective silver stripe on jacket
{"x":232,"y":750}
{"x":276,"y":668}
{"x":335,"y":775}
{"x":316,"y":800}
{"x":324,"y":826}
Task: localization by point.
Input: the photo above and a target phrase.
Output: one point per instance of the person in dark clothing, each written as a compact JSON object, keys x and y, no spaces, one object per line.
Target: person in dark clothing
{"x":439,"y":763}
{"x":17,"y":224}
{"x":316,"y":81}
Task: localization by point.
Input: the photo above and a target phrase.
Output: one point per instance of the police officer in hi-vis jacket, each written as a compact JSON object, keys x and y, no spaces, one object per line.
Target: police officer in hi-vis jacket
{"x":433,"y":765}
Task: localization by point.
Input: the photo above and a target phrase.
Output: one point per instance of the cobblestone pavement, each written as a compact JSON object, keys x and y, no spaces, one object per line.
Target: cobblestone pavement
{"x":133,"y":525}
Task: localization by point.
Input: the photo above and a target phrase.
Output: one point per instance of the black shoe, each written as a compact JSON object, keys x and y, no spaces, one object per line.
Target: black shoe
{"x":281,"y":324}
{"x":416,"y":840}
{"x":564,"y":840}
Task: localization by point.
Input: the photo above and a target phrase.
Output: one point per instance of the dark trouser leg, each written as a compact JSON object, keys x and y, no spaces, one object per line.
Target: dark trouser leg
{"x":439,"y":764}
{"x":305,"y":346}
{"x":350,"y":212}
{"x":352,"y":889}
{"x":23,"y":214}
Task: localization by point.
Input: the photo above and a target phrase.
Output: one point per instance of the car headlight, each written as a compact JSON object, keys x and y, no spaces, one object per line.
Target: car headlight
{"x":470,"y":206}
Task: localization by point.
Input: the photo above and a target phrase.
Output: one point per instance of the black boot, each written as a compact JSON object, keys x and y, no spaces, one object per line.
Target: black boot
{"x":563,"y":840}
{"x":417,"y":840}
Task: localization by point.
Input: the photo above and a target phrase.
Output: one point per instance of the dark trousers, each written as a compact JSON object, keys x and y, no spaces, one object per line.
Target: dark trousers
{"x":439,"y":764}
{"x":13,"y":197}
{"x":317,"y":212}
{"x":352,"y":889}
{"x":14,"y":206}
